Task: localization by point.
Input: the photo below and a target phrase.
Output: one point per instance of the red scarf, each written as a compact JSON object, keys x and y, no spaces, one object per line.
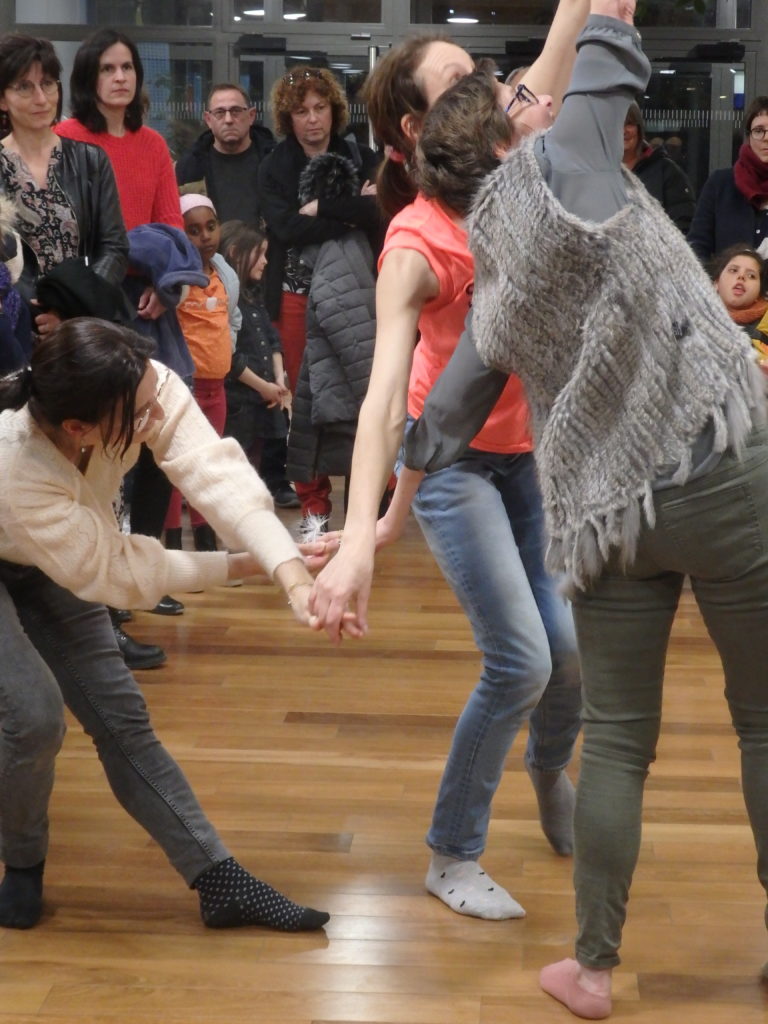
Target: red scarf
{"x":751,"y":176}
{"x":751,"y":314}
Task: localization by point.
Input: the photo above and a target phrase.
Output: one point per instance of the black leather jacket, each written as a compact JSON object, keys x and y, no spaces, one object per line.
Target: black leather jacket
{"x":86,"y":178}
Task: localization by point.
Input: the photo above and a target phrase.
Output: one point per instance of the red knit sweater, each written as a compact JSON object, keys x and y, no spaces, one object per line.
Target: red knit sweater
{"x":143,"y":170}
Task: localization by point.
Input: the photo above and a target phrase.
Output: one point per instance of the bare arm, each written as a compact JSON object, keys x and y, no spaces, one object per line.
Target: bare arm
{"x":405,"y":283}
{"x":390,"y":527}
{"x":551,"y":71}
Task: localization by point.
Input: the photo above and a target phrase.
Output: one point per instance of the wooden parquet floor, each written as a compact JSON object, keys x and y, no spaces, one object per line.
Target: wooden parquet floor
{"x":319,"y":766}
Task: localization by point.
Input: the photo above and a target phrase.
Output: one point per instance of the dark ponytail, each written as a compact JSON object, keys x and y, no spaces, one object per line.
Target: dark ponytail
{"x":392,"y":91}
{"x":86,"y":369}
{"x":15,"y":389}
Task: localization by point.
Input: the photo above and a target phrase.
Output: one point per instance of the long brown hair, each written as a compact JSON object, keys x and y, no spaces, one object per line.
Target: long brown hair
{"x":392,"y":91}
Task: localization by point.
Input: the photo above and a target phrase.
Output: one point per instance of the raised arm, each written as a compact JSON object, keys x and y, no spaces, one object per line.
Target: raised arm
{"x":551,"y":71}
{"x":405,"y":283}
{"x":586,"y":141}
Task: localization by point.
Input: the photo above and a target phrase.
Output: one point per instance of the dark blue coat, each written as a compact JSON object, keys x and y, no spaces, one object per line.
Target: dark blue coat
{"x":723,"y":217}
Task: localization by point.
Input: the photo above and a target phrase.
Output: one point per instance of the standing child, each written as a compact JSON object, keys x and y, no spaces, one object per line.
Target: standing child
{"x":209,"y":319}
{"x":256,"y":389}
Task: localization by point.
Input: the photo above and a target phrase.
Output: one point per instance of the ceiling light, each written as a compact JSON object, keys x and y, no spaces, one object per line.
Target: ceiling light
{"x":293,"y":17}
{"x":456,"y":20}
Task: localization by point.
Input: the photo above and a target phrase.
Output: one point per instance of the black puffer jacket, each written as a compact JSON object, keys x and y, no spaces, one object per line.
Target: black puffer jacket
{"x":668,"y":183}
{"x":279,"y":184}
{"x":86,"y":178}
{"x":341,"y":331}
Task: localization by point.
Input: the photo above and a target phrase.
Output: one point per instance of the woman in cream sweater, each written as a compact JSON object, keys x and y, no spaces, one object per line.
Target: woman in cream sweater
{"x":71,"y":426}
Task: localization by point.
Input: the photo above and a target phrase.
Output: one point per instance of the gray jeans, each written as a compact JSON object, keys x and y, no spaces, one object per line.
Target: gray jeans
{"x":54,"y":646}
{"x":715,"y":531}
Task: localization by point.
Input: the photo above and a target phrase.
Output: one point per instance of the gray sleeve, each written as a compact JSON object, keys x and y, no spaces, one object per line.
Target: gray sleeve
{"x":455,"y":409}
{"x":581,"y":155}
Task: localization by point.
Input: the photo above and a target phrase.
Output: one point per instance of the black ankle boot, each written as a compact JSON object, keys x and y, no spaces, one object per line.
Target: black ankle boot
{"x":204,"y":538}
{"x":136,"y":655}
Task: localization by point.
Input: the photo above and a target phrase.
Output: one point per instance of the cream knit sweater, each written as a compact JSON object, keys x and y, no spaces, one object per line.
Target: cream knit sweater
{"x":625,"y":351}
{"x":61,"y":520}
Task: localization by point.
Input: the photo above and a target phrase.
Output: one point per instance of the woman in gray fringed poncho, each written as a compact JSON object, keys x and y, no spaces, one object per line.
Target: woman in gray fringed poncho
{"x":651,"y":451}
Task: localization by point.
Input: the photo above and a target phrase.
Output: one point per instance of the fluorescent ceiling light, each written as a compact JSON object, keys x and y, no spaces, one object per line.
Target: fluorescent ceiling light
{"x":454,"y":20}
{"x":293,"y":17}
{"x":257,"y":12}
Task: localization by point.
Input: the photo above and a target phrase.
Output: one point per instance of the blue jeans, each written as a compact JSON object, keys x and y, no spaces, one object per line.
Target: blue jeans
{"x":482,"y":520}
{"x":59,"y":649}
{"x":714,"y":530}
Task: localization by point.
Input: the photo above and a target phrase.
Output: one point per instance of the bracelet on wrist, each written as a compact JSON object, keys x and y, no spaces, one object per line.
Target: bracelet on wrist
{"x":295,"y":586}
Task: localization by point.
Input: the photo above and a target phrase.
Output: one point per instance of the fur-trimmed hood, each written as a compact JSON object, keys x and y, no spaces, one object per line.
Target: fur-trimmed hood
{"x":10,"y":243}
{"x":328,"y":176}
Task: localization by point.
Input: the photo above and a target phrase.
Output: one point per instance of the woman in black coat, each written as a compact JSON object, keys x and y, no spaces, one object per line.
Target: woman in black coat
{"x":310,"y":111}
{"x":733,"y":205}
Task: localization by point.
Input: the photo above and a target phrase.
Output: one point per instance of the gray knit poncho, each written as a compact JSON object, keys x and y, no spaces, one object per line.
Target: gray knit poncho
{"x":625,"y":350}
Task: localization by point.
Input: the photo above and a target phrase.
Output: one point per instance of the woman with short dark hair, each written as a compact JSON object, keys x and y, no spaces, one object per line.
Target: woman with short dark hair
{"x":64,"y":191}
{"x":666,"y":182}
{"x":733,"y":206}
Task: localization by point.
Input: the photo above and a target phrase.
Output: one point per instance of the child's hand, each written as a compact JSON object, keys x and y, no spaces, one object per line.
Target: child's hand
{"x":272,"y":394}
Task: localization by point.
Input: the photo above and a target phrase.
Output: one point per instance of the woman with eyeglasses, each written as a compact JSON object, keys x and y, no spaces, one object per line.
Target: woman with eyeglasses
{"x":310,"y":112}
{"x":64,"y":191}
{"x":732,"y":208}
{"x":70,"y":427}
{"x":482,"y":516}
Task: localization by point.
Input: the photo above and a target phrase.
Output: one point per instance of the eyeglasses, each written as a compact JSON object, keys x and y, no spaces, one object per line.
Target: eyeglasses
{"x":522,"y":94}
{"x":758,"y":133}
{"x":221,"y":112}
{"x":301,"y":76}
{"x":142,"y":417}
{"x":26,"y":90}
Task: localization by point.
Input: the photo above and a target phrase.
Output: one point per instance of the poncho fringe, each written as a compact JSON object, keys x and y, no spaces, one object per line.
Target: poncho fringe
{"x":639,"y":359}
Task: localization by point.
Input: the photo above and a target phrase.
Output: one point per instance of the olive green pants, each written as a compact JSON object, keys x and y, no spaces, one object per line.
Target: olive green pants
{"x":715,"y":531}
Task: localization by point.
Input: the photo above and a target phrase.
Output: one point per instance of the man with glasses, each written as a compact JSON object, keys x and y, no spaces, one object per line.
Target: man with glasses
{"x":227,"y":156}
{"x":226,"y":159}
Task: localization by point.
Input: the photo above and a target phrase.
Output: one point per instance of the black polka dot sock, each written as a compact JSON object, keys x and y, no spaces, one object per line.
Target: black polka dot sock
{"x":231,"y":897}
{"x":21,"y":896}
